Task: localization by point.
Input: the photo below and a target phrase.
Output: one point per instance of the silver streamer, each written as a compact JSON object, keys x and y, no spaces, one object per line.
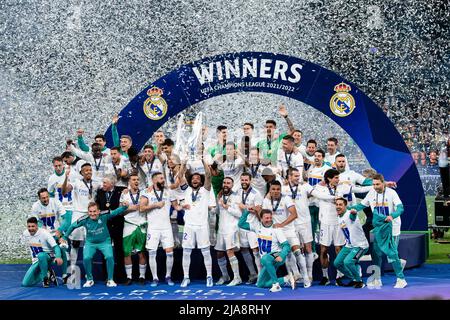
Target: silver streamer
{"x":74,"y":64}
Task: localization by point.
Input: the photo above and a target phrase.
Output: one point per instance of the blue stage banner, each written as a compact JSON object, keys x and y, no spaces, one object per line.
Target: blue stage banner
{"x":322,"y":89}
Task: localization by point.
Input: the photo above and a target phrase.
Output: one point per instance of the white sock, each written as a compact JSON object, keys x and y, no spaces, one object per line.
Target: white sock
{"x":208,"y":261}
{"x":291,"y":265}
{"x":223,"y":267}
{"x":235,"y":267}
{"x":257,"y":256}
{"x":186,"y":261}
{"x":142,"y":269}
{"x":301,"y":262}
{"x":175,"y":232}
{"x":325,"y":272}
{"x":169,"y":263}
{"x":152,"y":263}
{"x":249,"y":261}
{"x":309,"y":264}
{"x":129,"y":270}
{"x":339,"y":274}
{"x":73,"y":256}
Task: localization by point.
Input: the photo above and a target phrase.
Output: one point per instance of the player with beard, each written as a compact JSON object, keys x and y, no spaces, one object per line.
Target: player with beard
{"x":332,"y":148}
{"x":250,"y":200}
{"x":119,"y":168}
{"x":284,"y":215}
{"x":196,"y":228}
{"x":308,"y":155}
{"x":156,"y":202}
{"x":288,"y":157}
{"x":387,"y":209}
{"x":134,"y":230}
{"x":150,"y":163}
{"x":227,"y":234}
{"x":315,"y":175}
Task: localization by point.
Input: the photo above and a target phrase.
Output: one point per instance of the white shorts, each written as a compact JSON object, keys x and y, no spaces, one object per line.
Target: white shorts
{"x":196,"y":237}
{"x":247,"y":239}
{"x":154,"y":237}
{"x":331,"y":234}
{"x":304,"y":232}
{"x":291,"y":236}
{"x":227,"y":241}
{"x":79,"y":234}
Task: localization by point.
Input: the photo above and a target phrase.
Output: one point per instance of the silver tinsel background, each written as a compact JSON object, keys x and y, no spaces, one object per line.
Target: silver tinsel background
{"x":70,"y":64}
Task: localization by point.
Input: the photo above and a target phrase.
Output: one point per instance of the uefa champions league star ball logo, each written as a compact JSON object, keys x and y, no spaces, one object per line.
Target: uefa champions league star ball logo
{"x":155,"y":107}
{"x":342,"y":102}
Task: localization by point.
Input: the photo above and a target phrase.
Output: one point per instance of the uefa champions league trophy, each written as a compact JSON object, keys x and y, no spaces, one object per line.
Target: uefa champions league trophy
{"x":195,"y":137}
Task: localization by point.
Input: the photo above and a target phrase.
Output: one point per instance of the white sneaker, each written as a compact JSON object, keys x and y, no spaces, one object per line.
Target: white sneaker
{"x":403,"y":263}
{"x":366,"y":257}
{"x":88,"y":284}
{"x":185,"y":282}
{"x":275,"y":287}
{"x":374,"y":284}
{"x":209,"y":282}
{"x":291,"y":280}
{"x":307,"y":284}
{"x":401,"y":283}
{"x":235,"y":282}
{"x":111,"y":284}
{"x":222,"y":280}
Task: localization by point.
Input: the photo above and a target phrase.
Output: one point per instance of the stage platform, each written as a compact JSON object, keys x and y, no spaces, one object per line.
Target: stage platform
{"x":426,"y":282}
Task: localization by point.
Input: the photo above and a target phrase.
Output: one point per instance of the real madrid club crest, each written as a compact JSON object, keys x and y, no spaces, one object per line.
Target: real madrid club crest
{"x":342,"y":102}
{"x":155,"y":107}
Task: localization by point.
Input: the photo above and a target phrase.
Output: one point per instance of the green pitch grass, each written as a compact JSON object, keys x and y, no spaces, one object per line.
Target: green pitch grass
{"x":438,"y":252}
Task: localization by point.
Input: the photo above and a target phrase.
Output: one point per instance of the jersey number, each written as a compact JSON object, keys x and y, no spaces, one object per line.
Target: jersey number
{"x":265,"y":246}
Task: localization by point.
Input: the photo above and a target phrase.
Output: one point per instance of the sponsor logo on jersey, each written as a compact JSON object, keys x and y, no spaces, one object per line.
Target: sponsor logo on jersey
{"x":342,"y":102}
{"x":155,"y":107}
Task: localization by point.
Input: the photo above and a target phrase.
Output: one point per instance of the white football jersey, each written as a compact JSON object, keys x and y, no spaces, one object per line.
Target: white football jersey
{"x":233,"y":169}
{"x":199,"y":201}
{"x":83,"y":193}
{"x":385,"y":203}
{"x":289,"y":160}
{"x":353,"y":231}
{"x":229,"y":218}
{"x":299,"y":194}
{"x":133,"y":219}
{"x":280,"y":210}
{"x":150,"y":168}
{"x":269,"y":238}
{"x":54,"y":187}
{"x":41,"y":241}
{"x":159,"y":218}
{"x":49,"y":215}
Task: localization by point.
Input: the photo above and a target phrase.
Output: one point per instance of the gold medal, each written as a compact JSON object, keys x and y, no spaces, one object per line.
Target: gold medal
{"x":107,"y":204}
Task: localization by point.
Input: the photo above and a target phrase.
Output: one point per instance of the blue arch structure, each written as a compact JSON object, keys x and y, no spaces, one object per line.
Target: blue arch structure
{"x":291,"y":77}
